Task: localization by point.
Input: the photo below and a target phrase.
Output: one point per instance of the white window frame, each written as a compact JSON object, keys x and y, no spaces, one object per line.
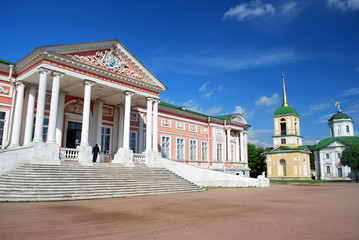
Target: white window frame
{"x":110,"y":143}
{"x":195,"y":157}
{"x":6,"y":123}
{"x":204,"y":154}
{"x":184,"y":148}
{"x":136,"y":140}
{"x":219,"y":154}
{"x":169,"y":145}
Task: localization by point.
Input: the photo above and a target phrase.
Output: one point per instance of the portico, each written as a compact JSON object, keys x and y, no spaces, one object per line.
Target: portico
{"x":79,"y":95}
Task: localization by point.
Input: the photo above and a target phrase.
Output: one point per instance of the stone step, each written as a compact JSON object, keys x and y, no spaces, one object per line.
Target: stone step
{"x":71,"y":181}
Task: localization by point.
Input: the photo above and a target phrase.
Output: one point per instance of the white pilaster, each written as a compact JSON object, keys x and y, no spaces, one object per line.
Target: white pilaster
{"x":155,"y":125}
{"x":245,"y":147}
{"x":40,"y":108}
{"x":30,"y":115}
{"x":99,"y":122}
{"x":60,"y":118}
{"x":141,"y":133}
{"x":237,"y":147}
{"x":241,"y":139}
{"x":51,"y":132}
{"x":229,"y":152}
{"x":126,"y":126}
{"x":120,"y":126}
{"x":86,"y":114}
{"x":115,"y":127}
{"x":149,"y":125}
{"x":15,"y":137}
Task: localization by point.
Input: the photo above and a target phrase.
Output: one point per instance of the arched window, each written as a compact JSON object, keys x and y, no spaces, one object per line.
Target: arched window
{"x":348,"y":129}
{"x":283,"y":127}
{"x":328,"y":169}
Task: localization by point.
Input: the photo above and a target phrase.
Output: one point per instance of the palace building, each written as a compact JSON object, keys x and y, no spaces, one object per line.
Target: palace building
{"x":288,"y":159}
{"x":58,"y":101}
{"x":328,"y":152}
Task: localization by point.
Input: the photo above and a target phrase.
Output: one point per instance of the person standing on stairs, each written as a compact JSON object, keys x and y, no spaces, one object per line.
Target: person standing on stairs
{"x":95,"y":152}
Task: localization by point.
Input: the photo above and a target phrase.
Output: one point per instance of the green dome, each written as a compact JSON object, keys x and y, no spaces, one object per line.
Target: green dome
{"x":285,"y":110}
{"x":339,"y":115}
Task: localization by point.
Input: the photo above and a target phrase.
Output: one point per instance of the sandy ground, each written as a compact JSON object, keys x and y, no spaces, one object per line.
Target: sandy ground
{"x":282,"y":211}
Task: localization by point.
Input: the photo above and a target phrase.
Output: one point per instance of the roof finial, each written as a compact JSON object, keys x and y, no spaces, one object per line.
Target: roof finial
{"x":337,"y":104}
{"x":285,"y":104}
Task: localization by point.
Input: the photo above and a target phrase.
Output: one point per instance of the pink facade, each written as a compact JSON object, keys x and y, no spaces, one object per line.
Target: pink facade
{"x":98,"y":92}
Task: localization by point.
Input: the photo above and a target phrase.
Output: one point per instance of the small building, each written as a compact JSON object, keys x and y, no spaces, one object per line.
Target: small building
{"x":327,"y":152}
{"x":288,"y":159}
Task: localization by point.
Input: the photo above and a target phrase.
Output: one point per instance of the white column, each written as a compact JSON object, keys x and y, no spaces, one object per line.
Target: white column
{"x":40,"y":108}
{"x":140,"y":141}
{"x":86,"y":114}
{"x":126,"y":125}
{"x":155,"y":125}
{"x":115,"y":128}
{"x":241,"y":139}
{"x":120,"y":126}
{"x":149,"y":125}
{"x":51,"y":131}
{"x":229,"y":147}
{"x":60,"y":118}
{"x":237,"y":148}
{"x":30,"y":115}
{"x":99,"y":121}
{"x":16,"y":127}
{"x":245,"y":148}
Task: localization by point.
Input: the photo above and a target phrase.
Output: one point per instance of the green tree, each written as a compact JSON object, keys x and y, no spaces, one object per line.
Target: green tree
{"x":350,"y":157}
{"x":256,"y":160}
{"x":312,"y":159}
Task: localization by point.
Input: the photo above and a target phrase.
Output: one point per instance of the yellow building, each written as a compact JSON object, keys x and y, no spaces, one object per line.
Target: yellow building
{"x":288,"y":159}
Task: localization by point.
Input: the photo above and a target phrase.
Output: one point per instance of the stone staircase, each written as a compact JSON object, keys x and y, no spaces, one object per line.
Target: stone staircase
{"x":72,"y":181}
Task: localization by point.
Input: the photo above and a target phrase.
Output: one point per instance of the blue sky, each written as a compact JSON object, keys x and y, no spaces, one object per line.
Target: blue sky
{"x":216,"y":56}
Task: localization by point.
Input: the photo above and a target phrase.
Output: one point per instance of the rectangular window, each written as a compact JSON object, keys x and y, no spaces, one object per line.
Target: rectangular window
{"x":180,"y":149}
{"x":133,"y":141}
{"x":105,"y":140}
{"x":219,"y":152}
{"x":295,"y":170}
{"x":44,"y":131}
{"x":327,"y":155}
{"x":283,"y":141}
{"x":204,"y":151}
{"x":2,"y":126}
{"x":338,"y":155}
{"x":193,"y":149}
{"x":165,"y":146}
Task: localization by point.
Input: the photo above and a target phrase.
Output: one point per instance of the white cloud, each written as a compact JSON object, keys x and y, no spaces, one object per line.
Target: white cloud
{"x":288,"y":7}
{"x":244,"y":112}
{"x":325,"y":118}
{"x":214,"y":110}
{"x":268,"y":101}
{"x":316,"y":108}
{"x":209,"y":92}
{"x":260,"y":137}
{"x":203,"y":88}
{"x":210,"y":61}
{"x":248,"y":11}
{"x":195,"y":106}
{"x":344,"y":5}
{"x":349,"y":92}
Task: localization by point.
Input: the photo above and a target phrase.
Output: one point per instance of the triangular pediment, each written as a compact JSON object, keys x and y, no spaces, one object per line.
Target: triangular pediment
{"x":109,"y":57}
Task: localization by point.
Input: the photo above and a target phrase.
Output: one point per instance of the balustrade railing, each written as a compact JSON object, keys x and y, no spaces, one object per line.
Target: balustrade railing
{"x":138,"y":158}
{"x":69,"y":154}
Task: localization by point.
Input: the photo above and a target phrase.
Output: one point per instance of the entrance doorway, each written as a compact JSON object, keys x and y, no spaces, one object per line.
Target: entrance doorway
{"x":73,"y":138}
{"x":283,"y":167}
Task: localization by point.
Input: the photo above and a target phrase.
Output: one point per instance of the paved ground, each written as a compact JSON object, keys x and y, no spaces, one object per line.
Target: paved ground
{"x":282,"y":211}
